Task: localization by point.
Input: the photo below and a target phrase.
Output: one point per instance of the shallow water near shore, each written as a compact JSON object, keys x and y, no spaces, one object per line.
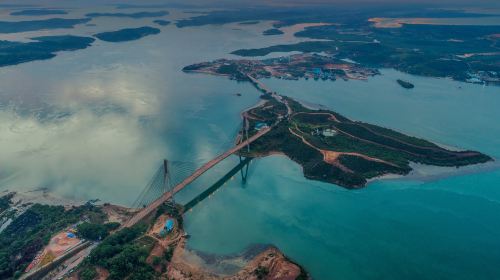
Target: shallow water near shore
{"x":420,"y":227}
{"x":96,"y":123}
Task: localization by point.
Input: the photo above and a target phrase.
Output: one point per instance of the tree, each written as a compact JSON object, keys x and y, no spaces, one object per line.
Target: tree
{"x":88,"y":273}
{"x":95,"y":231}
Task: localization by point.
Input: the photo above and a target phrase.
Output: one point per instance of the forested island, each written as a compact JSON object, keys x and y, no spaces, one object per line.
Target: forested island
{"x":45,"y":47}
{"x":127,"y":34}
{"x":129,"y":15}
{"x":38,"y":12}
{"x":405,"y":84}
{"x":252,"y":22}
{"x":34,"y":25}
{"x":161,"y":22}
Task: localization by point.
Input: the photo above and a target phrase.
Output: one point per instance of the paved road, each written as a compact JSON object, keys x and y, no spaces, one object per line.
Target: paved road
{"x":275,"y":95}
{"x":73,"y":262}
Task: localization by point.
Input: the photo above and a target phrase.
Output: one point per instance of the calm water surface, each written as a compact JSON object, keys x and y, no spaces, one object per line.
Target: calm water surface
{"x":96,"y":123}
{"x":417,"y":228}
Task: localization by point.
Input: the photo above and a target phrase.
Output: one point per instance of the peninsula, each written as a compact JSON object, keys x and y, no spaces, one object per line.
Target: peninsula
{"x":330,"y":147}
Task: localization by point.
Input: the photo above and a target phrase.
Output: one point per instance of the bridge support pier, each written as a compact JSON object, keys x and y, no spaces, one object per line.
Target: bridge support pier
{"x":244,"y":169}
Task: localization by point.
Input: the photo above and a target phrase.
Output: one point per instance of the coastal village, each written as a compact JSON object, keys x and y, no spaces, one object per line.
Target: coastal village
{"x":483,"y":77}
{"x":293,"y":67}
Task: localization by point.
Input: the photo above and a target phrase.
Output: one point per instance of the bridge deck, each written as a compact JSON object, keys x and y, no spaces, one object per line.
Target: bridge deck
{"x":261,"y":86}
{"x":165,"y":197}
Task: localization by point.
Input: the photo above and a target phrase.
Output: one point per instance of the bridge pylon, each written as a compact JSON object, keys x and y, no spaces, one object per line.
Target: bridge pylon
{"x":245,"y":127}
{"x":167,"y":179}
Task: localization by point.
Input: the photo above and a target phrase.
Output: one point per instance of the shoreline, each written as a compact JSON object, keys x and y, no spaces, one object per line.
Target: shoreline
{"x":187,"y":263}
{"x":429,"y":173}
{"x":41,"y":196}
{"x":419,"y":172}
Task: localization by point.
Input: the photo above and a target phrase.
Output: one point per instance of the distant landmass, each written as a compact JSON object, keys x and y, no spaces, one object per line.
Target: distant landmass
{"x":127,"y":34}
{"x":273,"y":31}
{"x":34,"y":25}
{"x":161,"y":22}
{"x":309,"y":46}
{"x":12,"y":53}
{"x":38,"y":12}
{"x":252,"y":22}
{"x":155,"y":6}
{"x":15,"y":6}
{"x":468,"y":53}
{"x":289,"y":16}
{"x":294,"y":67}
{"x":129,"y":15}
{"x":464,"y":53}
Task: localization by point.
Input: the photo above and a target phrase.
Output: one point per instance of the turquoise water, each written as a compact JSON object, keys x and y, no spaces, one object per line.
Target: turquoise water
{"x":419,"y":228}
{"x":390,"y":230}
{"x":96,"y":123}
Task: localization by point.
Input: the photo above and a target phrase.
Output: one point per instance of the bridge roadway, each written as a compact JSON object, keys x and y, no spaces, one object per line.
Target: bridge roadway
{"x":262,"y":87}
{"x":166,"y":196}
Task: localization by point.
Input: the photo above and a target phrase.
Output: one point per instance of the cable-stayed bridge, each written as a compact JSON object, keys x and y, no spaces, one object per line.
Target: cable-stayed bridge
{"x":163,"y":187}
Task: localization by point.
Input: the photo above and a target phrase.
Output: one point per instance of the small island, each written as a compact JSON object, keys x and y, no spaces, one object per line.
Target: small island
{"x":161,"y":22}
{"x":252,"y":22}
{"x":129,"y":15}
{"x":272,"y":31}
{"x":127,"y":34}
{"x":40,"y":12}
{"x":405,"y":84}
